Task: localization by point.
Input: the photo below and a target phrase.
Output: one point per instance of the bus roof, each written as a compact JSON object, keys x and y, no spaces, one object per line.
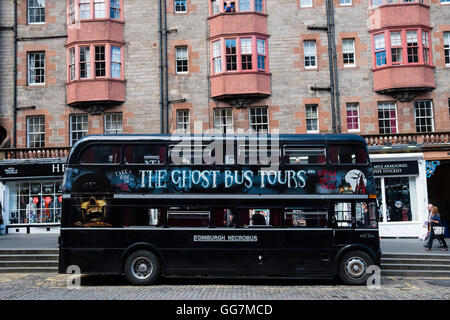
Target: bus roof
{"x":284,"y":138}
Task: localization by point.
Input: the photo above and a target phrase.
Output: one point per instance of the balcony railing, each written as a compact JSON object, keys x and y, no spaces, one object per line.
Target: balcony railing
{"x":419,"y":139}
{"x":34,"y":153}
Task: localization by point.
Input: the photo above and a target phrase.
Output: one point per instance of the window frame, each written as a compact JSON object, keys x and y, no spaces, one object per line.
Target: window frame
{"x":100,"y":61}
{"x":183,"y":127}
{"x":116,"y":63}
{"x":430,"y":117}
{"x":383,"y":104}
{"x":351,"y":54}
{"x":306,"y":3}
{"x":345,"y":3}
{"x":316,"y":118}
{"x":41,"y":140}
{"x":71,"y":131}
{"x":116,"y":9}
{"x":85,"y":3}
{"x":379,"y":50}
{"x":40,"y":9}
{"x":182,"y":62}
{"x":223,"y":126}
{"x":29,"y":70}
{"x":352,"y":104}
{"x":178,"y":4}
{"x":217,"y":59}
{"x":253,"y":124}
{"x":231,"y":55}
{"x":309,"y":55}
{"x":86,"y":62}
{"x":111,"y":121}
{"x":446,"y":41}
{"x":98,"y":3}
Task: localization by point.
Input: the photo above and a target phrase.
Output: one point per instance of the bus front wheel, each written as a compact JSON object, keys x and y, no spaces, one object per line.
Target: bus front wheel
{"x":142,"y":268}
{"x":353,"y":267}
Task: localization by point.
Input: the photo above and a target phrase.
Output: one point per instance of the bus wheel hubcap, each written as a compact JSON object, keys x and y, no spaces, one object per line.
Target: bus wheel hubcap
{"x":355,"y":267}
{"x":141,"y":268}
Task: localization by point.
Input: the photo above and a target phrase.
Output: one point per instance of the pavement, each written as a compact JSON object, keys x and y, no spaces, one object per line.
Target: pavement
{"x":42,"y":286}
{"x":50,"y":241}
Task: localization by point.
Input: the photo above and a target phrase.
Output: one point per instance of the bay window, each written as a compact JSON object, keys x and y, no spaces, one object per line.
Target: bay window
{"x":241,"y":54}
{"x":95,"y":61}
{"x":93,"y":9}
{"x":401,"y":47}
{"x":236,"y":6}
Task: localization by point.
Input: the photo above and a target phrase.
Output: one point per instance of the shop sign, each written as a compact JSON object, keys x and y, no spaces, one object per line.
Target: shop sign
{"x":395,"y":168}
{"x":22,"y":170}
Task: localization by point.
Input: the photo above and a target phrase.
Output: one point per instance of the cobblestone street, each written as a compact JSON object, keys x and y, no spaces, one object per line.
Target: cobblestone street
{"x":54,"y":287}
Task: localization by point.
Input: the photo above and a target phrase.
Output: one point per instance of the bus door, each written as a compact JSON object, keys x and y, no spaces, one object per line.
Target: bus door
{"x":342,"y":222}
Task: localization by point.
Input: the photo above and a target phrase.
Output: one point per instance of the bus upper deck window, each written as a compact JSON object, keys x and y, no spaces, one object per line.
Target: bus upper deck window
{"x":347,"y":154}
{"x":103,"y":154}
{"x":145,"y":153}
{"x":297,"y":155}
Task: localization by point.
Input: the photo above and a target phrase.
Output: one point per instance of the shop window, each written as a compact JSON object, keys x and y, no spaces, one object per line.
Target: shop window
{"x":313,"y":217}
{"x":134,"y":216}
{"x":145,"y":154}
{"x":303,"y":155}
{"x":399,"y":206}
{"x":188,"y":219}
{"x":101,"y":154}
{"x":347,"y":154}
{"x":343,"y":215}
{"x":36,"y":202}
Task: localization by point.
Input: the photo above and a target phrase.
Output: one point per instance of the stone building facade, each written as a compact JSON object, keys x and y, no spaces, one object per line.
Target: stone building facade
{"x":109,"y":66}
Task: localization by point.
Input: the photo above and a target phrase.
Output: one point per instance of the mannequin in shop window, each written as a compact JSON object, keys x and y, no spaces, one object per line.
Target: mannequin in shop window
{"x":31,"y":211}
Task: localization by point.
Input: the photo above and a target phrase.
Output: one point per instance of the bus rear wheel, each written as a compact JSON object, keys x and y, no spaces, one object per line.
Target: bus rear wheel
{"x":353,"y":267}
{"x":142,"y":268}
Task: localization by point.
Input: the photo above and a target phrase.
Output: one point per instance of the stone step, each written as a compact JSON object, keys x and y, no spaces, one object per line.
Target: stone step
{"x":28,"y":270}
{"x":28,"y":257}
{"x":28,"y":251}
{"x":416,"y":273}
{"x":28,"y":264}
{"x":427,"y":261}
{"x":420,"y":267}
{"x":427,"y":255}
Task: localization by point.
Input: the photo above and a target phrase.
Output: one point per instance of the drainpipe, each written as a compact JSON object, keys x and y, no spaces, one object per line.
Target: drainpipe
{"x":335,"y":71}
{"x":15,"y":79}
{"x":161,"y":90}
{"x":166,"y":73}
{"x":331,"y":64}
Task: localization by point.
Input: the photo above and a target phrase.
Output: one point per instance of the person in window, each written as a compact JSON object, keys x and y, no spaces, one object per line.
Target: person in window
{"x":366,"y":215}
{"x":258,"y":219}
{"x":435,"y":221}
{"x":229,"y":6}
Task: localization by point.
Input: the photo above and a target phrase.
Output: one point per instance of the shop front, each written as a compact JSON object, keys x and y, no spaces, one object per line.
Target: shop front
{"x":31,"y":194}
{"x":402,"y":193}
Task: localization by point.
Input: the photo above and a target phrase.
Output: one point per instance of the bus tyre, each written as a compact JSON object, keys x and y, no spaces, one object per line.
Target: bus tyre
{"x":353,"y":267}
{"x":142,"y":268}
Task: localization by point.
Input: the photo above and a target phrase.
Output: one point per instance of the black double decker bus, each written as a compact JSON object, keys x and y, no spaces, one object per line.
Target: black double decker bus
{"x":301,"y":206}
